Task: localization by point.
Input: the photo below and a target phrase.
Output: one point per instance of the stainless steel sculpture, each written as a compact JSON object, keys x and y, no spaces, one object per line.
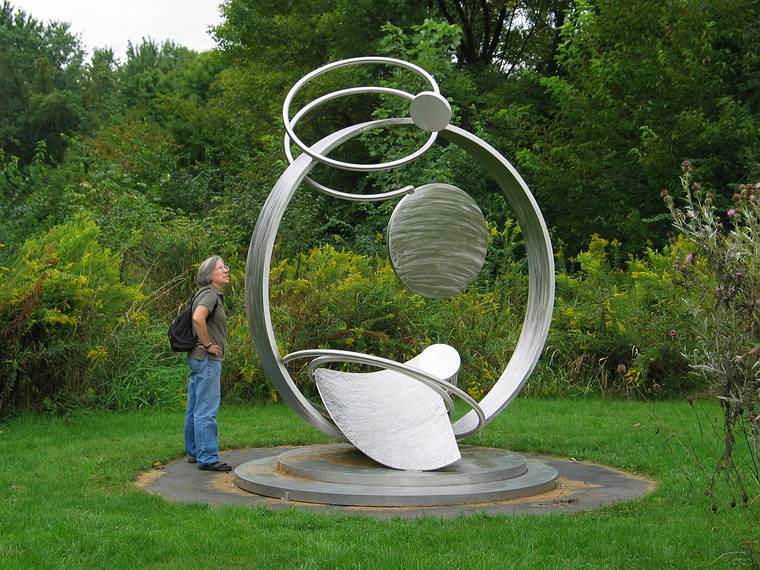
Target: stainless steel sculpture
{"x":400,"y":415}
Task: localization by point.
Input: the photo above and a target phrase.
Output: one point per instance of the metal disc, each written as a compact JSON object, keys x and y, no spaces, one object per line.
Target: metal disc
{"x":430,"y":111}
{"x":437,"y":240}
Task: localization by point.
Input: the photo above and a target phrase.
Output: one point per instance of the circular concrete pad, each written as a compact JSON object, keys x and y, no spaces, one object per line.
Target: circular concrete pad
{"x":580,"y":486}
{"x":338,"y":474}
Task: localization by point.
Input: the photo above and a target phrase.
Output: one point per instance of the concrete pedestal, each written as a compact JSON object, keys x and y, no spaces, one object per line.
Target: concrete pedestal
{"x":338,"y":474}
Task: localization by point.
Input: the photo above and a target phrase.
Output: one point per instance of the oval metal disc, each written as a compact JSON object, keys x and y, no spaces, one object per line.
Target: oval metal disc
{"x":437,"y":240}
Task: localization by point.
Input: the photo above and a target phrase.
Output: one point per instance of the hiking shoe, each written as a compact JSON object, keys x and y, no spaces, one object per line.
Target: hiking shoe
{"x":218,"y":466}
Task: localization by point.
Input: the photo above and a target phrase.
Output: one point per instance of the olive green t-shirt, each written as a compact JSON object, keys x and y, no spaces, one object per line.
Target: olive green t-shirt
{"x":216,"y":324}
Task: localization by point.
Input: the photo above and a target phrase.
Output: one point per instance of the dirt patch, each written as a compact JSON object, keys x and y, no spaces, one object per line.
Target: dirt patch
{"x":348,"y":458}
{"x":651,"y":483}
{"x":226,"y":484}
{"x":146,"y":478}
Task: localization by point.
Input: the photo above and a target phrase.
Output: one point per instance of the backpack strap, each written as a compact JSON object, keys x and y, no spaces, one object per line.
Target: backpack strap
{"x":216,"y":303}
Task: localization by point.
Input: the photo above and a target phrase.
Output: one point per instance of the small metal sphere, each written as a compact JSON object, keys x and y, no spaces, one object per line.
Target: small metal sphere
{"x":430,"y":111}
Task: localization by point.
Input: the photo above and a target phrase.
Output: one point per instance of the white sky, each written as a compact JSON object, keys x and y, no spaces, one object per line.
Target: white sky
{"x":111,"y":23}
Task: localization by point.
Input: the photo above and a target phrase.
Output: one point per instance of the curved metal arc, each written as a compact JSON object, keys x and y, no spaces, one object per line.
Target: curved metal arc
{"x":362,"y":197}
{"x":368,"y":167}
{"x":415,"y":373}
{"x":538,"y":313}
{"x":423,"y":378}
{"x":345,"y":93}
{"x":258,"y":265}
{"x":344,"y":63}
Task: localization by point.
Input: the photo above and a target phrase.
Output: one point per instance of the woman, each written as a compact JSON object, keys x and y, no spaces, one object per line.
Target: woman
{"x":205,"y":360}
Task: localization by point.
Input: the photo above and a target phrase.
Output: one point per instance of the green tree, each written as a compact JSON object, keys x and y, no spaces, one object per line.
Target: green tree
{"x":644,"y":85}
{"x":151,"y":70}
{"x":509,"y":35}
{"x":41,"y":72}
{"x":101,"y":88}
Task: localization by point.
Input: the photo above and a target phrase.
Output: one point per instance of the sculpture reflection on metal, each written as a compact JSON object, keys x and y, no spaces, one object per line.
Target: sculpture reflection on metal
{"x":400,"y":415}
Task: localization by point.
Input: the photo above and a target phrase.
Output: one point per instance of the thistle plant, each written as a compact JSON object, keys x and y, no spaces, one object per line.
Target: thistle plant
{"x":726,"y":327}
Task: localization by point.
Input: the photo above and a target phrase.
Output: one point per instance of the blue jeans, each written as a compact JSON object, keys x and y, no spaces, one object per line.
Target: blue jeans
{"x":203,"y":397}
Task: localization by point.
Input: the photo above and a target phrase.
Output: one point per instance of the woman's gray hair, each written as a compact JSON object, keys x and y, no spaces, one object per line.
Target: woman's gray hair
{"x":206,"y":270}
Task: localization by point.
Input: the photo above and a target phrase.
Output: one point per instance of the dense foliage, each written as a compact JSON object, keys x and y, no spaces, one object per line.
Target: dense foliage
{"x":118,"y":177}
{"x":643,"y":86}
{"x":41,"y":67}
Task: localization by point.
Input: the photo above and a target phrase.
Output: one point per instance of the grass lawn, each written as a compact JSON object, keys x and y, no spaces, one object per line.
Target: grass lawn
{"x":67,"y":498}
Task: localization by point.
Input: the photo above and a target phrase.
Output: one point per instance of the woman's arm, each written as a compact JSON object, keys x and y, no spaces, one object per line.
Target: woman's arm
{"x":200,"y":315}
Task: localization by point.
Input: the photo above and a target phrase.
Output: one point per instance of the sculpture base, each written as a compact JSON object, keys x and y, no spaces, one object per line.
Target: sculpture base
{"x":338,"y":474}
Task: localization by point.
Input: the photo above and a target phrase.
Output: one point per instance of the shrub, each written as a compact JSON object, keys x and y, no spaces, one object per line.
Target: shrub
{"x":60,"y":299}
{"x":620,"y":330}
{"x":136,"y":369}
{"x":615,"y":330}
{"x":618,"y":325}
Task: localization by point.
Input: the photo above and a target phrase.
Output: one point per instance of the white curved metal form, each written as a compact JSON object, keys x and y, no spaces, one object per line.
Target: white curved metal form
{"x":416,"y":430}
{"x":440,"y":360}
{"x":415,"y":372}
{"x":403,"y":402}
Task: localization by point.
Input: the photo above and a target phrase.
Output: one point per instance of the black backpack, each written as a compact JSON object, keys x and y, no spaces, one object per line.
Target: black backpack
{"x":181,"y":334}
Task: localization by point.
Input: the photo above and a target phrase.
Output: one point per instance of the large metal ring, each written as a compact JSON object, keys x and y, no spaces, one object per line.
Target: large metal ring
{"x":344,"y":63}
{"x":539,"y":307}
